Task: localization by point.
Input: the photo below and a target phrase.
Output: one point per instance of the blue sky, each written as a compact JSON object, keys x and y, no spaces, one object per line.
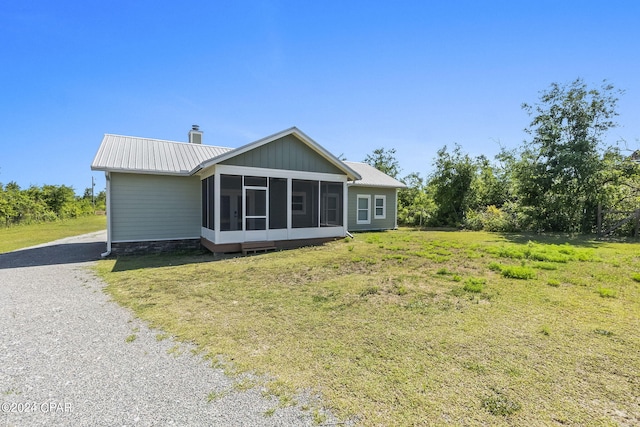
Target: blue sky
{"x":355,"y":76}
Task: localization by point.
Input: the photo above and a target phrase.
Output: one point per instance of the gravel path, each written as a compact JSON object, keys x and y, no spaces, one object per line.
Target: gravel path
{"x":65,"y":358}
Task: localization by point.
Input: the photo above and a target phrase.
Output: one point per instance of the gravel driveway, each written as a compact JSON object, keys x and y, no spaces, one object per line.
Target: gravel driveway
{"x":68,"y":357}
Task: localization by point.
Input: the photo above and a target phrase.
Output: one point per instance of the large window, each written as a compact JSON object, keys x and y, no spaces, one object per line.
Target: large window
{"x":230,"y":202}
{"x":363,"y":209}
{"x":380,"y":205}
{"x":331,"y":214}
{"x":304,"y":203}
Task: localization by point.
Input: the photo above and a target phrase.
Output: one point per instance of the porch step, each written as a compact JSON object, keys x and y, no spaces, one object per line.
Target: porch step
{"x":254,"y":247}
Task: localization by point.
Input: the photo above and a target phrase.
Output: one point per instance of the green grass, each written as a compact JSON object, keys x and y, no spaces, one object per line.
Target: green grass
{"x":22,"y":236}
{"x":439,"y":336}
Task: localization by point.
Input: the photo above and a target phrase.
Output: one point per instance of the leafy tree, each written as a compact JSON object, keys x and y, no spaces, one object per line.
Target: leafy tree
{"x":385,"y":161}
{"x":451,"y":186}
{"x":559,"y":173}
{"x":415,"y":204}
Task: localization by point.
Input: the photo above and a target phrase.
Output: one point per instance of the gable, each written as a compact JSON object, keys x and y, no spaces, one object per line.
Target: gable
{"x":288,"y":153}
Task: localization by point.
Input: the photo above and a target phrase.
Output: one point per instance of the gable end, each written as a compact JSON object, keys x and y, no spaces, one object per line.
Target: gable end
{"x":288,"y":153}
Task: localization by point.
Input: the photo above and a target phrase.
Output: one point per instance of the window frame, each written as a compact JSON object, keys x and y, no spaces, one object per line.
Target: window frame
{"x":382,"y":197}
{"x":366,"y":197}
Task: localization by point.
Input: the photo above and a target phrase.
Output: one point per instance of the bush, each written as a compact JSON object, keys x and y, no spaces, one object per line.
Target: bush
{"x":491,"y":218}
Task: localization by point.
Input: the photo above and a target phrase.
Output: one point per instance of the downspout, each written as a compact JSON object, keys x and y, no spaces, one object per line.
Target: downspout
{"x":108,"y":208}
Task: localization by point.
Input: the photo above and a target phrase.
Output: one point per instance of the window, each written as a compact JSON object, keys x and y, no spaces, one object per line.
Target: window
{"x":363,"y":204}
{"x":299,"y":203}
{"x":380,"y":203}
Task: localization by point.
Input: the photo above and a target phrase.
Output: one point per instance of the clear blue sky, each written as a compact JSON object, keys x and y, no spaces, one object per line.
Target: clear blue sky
{"x":353,"y":75}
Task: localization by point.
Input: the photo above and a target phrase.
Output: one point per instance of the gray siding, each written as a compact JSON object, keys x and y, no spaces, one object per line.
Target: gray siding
{"x":154,"y":207}
{"x":287,"y":153}
{"x":376,"y":224}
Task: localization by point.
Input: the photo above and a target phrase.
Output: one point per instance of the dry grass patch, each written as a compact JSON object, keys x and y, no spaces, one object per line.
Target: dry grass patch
{"x":406,"y":327}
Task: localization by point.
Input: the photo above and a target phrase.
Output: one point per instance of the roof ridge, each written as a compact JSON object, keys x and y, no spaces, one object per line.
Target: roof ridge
{"x":169,"y":141}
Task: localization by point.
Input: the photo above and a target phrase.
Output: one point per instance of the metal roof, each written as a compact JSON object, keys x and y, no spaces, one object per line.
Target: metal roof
{"x":144,"y":155}
{"x":372,"y":177}
{"x":120,"y":153}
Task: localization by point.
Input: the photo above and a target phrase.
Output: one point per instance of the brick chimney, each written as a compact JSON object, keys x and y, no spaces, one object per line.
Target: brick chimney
{"x":195,"y":135}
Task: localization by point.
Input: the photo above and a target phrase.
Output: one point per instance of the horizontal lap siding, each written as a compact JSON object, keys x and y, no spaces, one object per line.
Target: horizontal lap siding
{"x":154,"y":207}
{"x":376,"y":224}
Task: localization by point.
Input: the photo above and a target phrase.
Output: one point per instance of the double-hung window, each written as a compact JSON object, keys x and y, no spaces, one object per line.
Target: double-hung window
{"x":380,"y":206}
{"x":363,"y":204}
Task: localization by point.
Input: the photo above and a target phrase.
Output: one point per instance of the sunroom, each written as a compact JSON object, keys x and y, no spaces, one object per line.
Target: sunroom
{"x":286,"y":188}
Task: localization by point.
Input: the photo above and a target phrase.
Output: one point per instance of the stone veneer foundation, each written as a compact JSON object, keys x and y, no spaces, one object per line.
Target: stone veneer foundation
{"x":152,"y":247}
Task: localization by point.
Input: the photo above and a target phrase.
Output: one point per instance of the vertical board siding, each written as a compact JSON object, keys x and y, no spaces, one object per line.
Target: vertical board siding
{"x":154,"y":207}
{"x":376,"y":224}
{"x":287,"y":153}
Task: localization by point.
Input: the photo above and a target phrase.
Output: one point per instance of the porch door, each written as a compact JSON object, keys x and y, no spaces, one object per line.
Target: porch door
{"x":255,"y":199}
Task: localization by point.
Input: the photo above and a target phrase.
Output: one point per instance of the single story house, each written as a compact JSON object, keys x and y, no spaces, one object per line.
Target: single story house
{"x":284,"y":190}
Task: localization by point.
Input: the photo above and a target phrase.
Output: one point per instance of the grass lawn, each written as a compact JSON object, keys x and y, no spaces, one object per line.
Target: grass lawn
{"x":414,"y":328}
{"x":22,"y":236}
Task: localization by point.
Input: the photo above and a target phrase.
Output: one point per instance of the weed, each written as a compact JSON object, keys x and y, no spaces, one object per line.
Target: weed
{"x":162,"y":337}
{"x":350,"y":248}
{"x":553,"y":282}
{"x":518,"y":272}
{"x":499,"y":404}
{"x":474,"y":285}
{"x":494,"y":266}
{"x":603,"y":332}
{"x":131,"y":338}
{"x":369,"y":290}
{"x":636,"y":277}
{"x":544,"y":330}
{"x":607,"y":293}
{"x":400,"y":289}
{"x":443,"y":271}
{"x":216,"y":395}
{"x":269,"y":412}
{"x":318,"y":417}
{"x":456,"y":278}
{"x":545,"y":266}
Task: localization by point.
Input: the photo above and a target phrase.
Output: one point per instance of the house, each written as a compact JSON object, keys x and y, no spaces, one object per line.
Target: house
{"x":285,"y":189}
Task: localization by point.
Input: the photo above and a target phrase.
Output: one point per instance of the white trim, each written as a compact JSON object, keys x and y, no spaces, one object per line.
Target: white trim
{"x":367,"y":197}
{"x":345,"y":206}
{"x":208,"y":234}
{"x":277,"y":173}
{"x":382,"y":197}
{"x":108,"y":209}
{"x":305,"y":139}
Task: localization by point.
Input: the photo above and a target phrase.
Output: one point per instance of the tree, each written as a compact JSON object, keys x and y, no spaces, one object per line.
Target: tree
{"x":558,"y":176}
{"x":451,"y":186}
{"x":415,"y":205}
{"x":385,"y":161}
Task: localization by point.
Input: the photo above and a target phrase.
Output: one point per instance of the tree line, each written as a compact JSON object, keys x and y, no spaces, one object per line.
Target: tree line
{"x":45,"y":203}
{"x":559,"y":180}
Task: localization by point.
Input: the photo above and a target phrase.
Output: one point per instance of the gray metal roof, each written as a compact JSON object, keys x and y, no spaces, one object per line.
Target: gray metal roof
{"x":154,"y":156}
{"x":372,"y":177}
